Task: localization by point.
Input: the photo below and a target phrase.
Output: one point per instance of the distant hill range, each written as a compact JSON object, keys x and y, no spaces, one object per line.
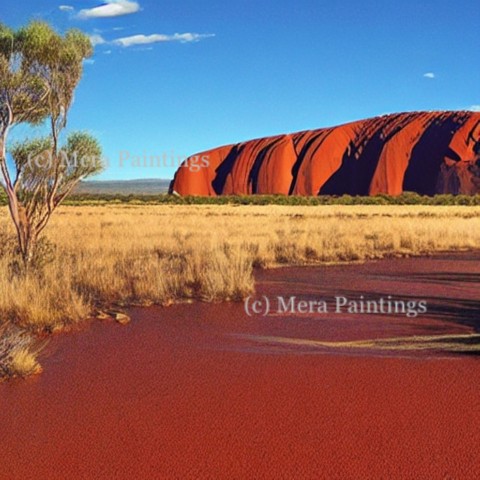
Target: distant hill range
{"x":123,"y":187}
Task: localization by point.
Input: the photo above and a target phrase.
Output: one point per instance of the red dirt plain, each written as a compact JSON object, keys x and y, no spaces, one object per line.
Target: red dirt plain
{"x":192,"y":391}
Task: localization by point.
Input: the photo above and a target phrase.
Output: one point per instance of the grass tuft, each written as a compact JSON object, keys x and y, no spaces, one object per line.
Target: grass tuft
{"x":18,"y":353}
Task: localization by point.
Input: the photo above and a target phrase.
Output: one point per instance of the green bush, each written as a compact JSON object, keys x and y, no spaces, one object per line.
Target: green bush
{"x":407,"y":198}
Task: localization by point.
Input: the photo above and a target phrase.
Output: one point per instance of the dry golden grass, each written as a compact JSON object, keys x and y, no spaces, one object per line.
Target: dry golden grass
{"x":18,"y":353}
{"x":24,"y":362}
{"x":124,"y":255}
{"x":460,"y":343}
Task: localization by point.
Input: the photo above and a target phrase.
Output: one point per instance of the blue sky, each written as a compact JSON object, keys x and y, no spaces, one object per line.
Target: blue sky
{"x":174,"y":77}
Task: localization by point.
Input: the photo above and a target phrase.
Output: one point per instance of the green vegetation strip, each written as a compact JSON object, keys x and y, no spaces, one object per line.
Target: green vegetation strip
{"x":165,"y":199}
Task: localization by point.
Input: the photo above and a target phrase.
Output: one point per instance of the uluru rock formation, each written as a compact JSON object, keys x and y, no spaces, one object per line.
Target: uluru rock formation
{"x":423,"y":152}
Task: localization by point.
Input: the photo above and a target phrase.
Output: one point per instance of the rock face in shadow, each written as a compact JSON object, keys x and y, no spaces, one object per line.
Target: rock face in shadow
{"x":423,"y":152}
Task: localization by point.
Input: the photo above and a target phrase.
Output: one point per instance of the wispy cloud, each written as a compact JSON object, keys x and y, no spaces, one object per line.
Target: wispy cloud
{"x":158,"y":38}
{"x":66,"y":8}
{"x":474,"y":108}
{"x":110,"y":8}
{"x":97,"y":39}
{"x":430,"y":75}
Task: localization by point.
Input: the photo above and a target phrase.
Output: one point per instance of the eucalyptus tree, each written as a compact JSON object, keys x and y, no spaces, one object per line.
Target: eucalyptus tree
{"x":44,"y":179}
{"x":39,"y":72}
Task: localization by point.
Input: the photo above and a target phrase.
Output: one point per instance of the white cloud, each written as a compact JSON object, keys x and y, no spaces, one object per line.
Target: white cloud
{"x":429,"y":75}
{"x":66,"y":8}
{"x":111,"y":8}
{"x":474,"y":108}
{"x":97,"y":39}
{"x":89,"y":61}
{"x":157,"y":37}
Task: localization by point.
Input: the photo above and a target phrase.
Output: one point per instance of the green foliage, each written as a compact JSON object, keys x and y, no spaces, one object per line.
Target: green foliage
{"x":162,"y":199}
{"x":44,"y":176}
{"x":83,"y":156}
{"x":32,"y":164}
{"x":21,"y":90}
{"x":79,"y":43}
{"x":6,"y":41}
{"x":39,"y":71}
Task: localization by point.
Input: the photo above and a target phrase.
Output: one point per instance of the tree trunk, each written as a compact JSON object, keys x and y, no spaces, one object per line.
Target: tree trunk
{"x":30,"y":246}
{"x":26,"y":236}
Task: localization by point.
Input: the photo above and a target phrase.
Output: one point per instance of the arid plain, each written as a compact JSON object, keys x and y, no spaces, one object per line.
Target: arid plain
{"x":193,"y":387}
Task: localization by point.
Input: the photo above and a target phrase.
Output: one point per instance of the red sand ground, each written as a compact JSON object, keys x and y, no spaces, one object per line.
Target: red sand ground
{"x":187,"y":392}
